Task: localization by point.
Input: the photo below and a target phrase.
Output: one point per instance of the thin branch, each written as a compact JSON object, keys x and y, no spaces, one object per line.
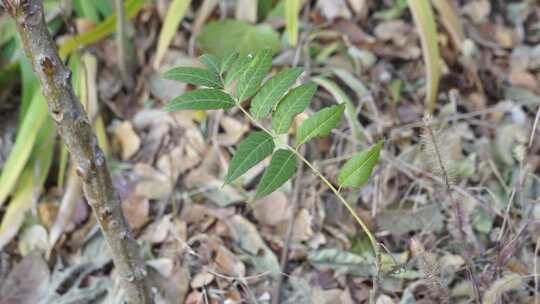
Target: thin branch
{"x":276,"y":295}
{"x":76,"y":132}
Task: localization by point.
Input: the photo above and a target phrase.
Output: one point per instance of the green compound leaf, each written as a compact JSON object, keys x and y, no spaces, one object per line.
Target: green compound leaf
{"x":272,"y":91}
{"x":227,"y":63}
{"x":320,"y":124}
{"x":294,"y":103}
{"x":256,"y":147}
{"x":253,"y":76}
{"x":281,"y":168}
{"x":212,"y":63}
{"x":195,"y":76}
{"x":357,"y":170}
{"x":203,"y":99}
{"x":237,"y":67}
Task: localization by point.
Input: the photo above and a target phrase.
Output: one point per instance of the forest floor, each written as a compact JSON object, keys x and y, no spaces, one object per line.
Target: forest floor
{"x":468,"y":233}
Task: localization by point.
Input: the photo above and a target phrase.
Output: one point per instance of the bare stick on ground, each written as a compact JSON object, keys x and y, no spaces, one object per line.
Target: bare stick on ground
{"x":75,"y":130}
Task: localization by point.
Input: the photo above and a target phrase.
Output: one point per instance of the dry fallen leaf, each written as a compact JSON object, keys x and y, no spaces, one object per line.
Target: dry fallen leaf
{"x":477,"y":10}
{"x":272,"y":209}
{"x":228,"y":263}
{"x":151,"y":183}
{"x":136,"y":211}
{"x":246,"y":236}
{"x":234,"y":131}
{"x":201,"y":279}
{"x":25,"y":283}
{"x":166,"y":229}
{"x":126,"y":138}
{"x":302,"y":226}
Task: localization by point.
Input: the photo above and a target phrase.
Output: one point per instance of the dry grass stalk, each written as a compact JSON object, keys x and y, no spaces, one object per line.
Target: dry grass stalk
{"x":429,"y":268}
{"x":501,"y":286}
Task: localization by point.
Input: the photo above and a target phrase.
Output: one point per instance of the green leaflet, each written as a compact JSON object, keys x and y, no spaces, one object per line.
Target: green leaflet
{"x":294,"y":103}
{"x":253,"y":76}
{"x":203,"y":99}
{"x":281,"y":168}
{"x":212,"y":63}
{"x":256,"y":147}
{"x":238,"y":67}
{"x":320,"y":124}
{"x":341,"y":97}
{"x":272,"y":91}
{"x":357,"y":170}
{"x":195,"y":76}
{"x":227,"y":63}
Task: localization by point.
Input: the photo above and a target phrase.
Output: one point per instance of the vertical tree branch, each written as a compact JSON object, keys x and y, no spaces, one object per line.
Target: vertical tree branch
{"x":76,"y":131}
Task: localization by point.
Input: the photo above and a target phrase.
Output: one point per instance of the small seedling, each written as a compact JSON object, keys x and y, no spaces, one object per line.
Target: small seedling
{"x":235,"y":79}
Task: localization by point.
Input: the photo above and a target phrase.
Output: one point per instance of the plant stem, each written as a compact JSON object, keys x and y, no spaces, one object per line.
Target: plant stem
{"x":76,"y":132}
{"x":372,"y":240}
{"x":121,"y":38}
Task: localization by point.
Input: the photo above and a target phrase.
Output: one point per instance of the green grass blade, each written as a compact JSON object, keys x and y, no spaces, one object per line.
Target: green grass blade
{"x":101,"y":31}
{"x":29,"y":86}
{"x":86,"y":9}
{"x":422,"y":13}
{"x":24,"y":143}
{"x":292,"y":9}
{"x":32,"y":179}
{"x":174,"y":16}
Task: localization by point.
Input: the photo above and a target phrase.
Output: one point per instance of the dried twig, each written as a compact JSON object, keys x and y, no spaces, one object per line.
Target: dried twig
{"x":276,"y":295}
{"x":74,"y":128}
